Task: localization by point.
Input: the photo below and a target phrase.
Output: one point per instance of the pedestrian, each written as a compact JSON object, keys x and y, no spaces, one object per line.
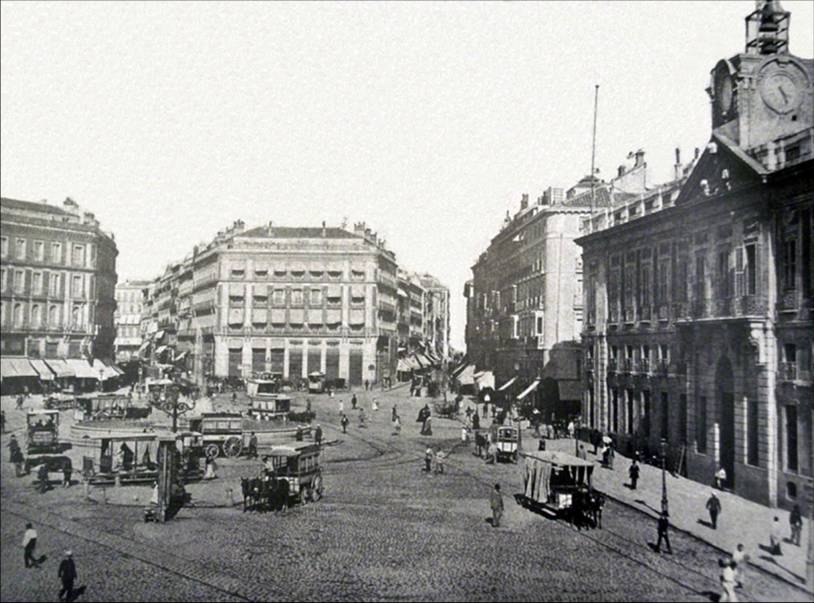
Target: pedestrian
{"x":367,"y":385}
{"x":341,"y":406}
{"x":318,"y":435}
{"x":796,"y":524}
{"x":42,"y":478}
{"x":234,"y":396}
{"x":496,"y":503}
{"x":581,"y":453}
{"x":714,"y":508}
{"x":29,"y":545}
{"x":663,"y":528}
{"x":428,"y":457}
{"x":475,"y":421}
{"x":353,"y":402}
{"x":491,"y":453}
{"x":633,"y":472}
{"x":571,"y":429}
{"x":596,"y":439}
{"x":344,"y":422}
{"x":611,"y":455}
{"x":464,"y":435}
{"x":362,"y":418}
{"x":67,"y":575}
{"x":209,"y":470}
{"x":20,"y":400}
{"x":728,"y":581}
{"x":720,"y":478}
{"x":775,"y":536}
{"x":253,"y":445}
{"x":375,"y":404}
{"x":15,"y":455}
{"x":740,"y":557}
{"x":394,"y":413}
{"x":439,"y":461}
{"x":396,"y":425}
{"x":67,"y":470}
{"x":2,"y":421}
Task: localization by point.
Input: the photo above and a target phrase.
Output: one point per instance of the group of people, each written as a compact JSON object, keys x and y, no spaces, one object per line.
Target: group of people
{"x":434,"y":460}
{"x":66,"y":573}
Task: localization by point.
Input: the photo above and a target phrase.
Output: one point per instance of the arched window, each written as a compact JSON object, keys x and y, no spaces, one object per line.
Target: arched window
{"x":53,"y":316}
{"x":18,"y":315}
{"x":35,"y":315}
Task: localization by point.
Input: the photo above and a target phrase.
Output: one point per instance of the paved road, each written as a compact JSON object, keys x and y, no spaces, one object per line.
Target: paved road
{"x":386,"y":530}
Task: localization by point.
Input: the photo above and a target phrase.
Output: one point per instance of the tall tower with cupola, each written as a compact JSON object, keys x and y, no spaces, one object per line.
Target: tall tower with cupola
{"x":763,"y":92}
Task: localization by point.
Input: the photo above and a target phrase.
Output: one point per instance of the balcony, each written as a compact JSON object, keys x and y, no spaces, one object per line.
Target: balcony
{"x":644,"y":313}
{"x":664,"y":312}
{"x":643,"y":366}
{"x":663,"y":367}
{"x":612,"y":364}
{"x":627,"y":365}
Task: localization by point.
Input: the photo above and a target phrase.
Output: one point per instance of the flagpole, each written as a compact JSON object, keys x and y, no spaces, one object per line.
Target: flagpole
{"x":593,"y":148}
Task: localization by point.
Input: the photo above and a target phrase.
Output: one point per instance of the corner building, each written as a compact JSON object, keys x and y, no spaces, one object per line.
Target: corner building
{"x":699,"y":295}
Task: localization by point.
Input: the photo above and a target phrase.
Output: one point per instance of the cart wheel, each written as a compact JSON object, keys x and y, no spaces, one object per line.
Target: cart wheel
{"x":232,"y":446}
{"x":316,"y":493}
{"x":212,"y":451}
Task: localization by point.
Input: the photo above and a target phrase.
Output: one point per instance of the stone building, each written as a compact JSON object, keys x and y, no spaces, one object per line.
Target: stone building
{"x":525,"y":299}
{"x":57,"y":277}
{"x":285,"y":300}
{"x":129,"y":307}
{"x":436,"y":315}
{"x":699,"y":294}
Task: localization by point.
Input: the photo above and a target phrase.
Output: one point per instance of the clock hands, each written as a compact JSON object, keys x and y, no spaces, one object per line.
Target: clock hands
{"x":783,"y":94}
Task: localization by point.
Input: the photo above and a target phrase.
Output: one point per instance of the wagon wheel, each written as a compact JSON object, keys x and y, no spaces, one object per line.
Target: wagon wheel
{"x":316,"y":492}
{"x":232,"y":446}
{"x":212,"y":451}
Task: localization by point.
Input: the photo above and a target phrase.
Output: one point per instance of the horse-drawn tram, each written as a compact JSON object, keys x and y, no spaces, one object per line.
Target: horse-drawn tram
{"x":558,"y":484}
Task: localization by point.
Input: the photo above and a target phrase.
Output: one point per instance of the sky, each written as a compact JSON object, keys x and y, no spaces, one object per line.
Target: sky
{"x":426,"y":120}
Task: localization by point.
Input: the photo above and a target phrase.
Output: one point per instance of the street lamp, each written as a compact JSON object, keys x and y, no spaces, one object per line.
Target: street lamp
{"x":577,"y":422}
{"x":664,"y":503}
{"x":173,"y":406}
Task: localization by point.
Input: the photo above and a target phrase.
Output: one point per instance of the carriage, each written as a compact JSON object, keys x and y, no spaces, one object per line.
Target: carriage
{"x":299,"y":464}
{"x":267,"y":402}
{"x":60,"y":401}
{"x":42,"y":432}
{"x":221,"y":433}
{"x":557,"y":483}
{"x":103,"y":407}
{"x":446,"y":408}
{"x":507,"y":440}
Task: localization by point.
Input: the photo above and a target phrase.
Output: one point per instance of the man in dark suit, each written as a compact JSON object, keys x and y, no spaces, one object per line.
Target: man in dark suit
{"x":67,"y":574}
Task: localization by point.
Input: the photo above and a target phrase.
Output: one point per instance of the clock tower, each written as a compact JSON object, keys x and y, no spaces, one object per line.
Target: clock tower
{"x":764,"y":92}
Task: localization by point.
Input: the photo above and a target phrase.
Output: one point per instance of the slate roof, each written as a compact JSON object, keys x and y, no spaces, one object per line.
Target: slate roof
{"x":298,"y":232}
{"x":38,"y":206}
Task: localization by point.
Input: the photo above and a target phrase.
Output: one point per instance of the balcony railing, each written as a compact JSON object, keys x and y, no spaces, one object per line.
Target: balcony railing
{"x":643,"y":365}
{"x":644,"y":313}
{"x":663,"y":367}
{"x":627,"y":365}
{"x":612,"y":365}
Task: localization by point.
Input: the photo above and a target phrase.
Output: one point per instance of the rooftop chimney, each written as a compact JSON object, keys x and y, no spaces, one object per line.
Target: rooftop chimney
{"x":639,"y":158}
{"x":524,"y":202}
{"x":678,"y":170}
{"x":620,"y":171}
{"x":324,"y":230}
{"x":697,"y":154}
{"x":269,"y":227}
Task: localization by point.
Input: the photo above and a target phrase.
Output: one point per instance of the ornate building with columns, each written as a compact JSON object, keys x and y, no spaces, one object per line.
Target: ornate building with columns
{"x":699,"y":293}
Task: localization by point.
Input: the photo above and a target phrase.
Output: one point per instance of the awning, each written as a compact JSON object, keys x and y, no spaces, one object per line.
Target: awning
{"x":181,"y":356}
{"x":158,"y":335}
{"x":18,"y":367}
{"x":529,"y":389}
{"x":486,"y":379}
{"x":417,"y":360}
{"x":507,"y":384}
{"x":403,"y":366}
{"x":160,"y":350}
{"x":82,"y":368}
{"x":460,"y":369}
{"x":466,"y":376}
{"x":101,"y":369}
{"x":144,"y":346}
{"x":45,"y":373}
{"x":61,"y":368}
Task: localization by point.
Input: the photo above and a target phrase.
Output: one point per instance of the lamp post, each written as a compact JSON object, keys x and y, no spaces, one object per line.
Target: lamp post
{"x":577,"y":421}
{"x":664,"y":502}
{"x":172,"y":405}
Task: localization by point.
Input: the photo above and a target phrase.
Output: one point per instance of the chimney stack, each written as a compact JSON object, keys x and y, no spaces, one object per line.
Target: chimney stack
{"x":678,"y":169}
{"x":269,"y":227}
{"x":620,"y":171}
{"x":524,"y":202}
{"x":697,"y":153}
{"x":639,"y":158}
{"x":324,"y":230}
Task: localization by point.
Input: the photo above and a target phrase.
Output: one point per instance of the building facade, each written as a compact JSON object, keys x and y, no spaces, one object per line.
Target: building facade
{"x":524,"y":302}
{"x":283,"y":300}
{"x":58,"y":277}
{"x":699,"y":294}
{"x":129,"y":308}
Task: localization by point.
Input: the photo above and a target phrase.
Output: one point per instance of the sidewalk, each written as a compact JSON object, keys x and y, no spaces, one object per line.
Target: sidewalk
{"x":740,"y":520}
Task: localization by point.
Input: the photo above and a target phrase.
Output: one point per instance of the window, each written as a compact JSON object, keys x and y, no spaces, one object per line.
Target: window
{"x":539,"y":325}
{"x":791,"y":438}
{"x":701,"y":424}
{"x":316,"y":297}
{"x":56,"y":253}
{"x":53,"y":316}
{"x":645,"y":361}
{"x":18,"y":315}
{"x":663,"y":275}
{"x":36,"y":282}
{"x":20,"y":249}
{"x":39,"y":251}
{"x":751,"y":269}
{"x":76,"y":317}
{"x":615,"y":410}
{"x":296,"y":297}
{"x":2,"y":279}
{"x":53,"y":284}
{"x":630,"y":411}
{"x":237,"y":272}
{"x":644,"y":286}
{"x":753,"y":420}
{"x":78,"y":255}
{"x":36,"y":315}
{"x":723,"y":274}
{"x":789,"y":263}
{"x":19,"y":281}
{"x":278,"y":297}
{"x":682,"y":279}
{"x":76,"y":285}
{"x":700,"y":278}
{"x":3,"y":246}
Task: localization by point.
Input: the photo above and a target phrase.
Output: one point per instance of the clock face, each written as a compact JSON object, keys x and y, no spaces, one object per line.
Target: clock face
{"x":781,"y":87}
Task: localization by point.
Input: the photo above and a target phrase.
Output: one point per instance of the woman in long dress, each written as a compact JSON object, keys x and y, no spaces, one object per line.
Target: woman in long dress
{"x":209,"y":473}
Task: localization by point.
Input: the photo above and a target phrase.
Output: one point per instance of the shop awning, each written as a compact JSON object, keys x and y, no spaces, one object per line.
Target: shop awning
{"x":20,"y":367}
{"x":486,"y":379}
{"x":460,"y":369}
{"x":61,"y":368}
{"x":181,"y":356}
{"x":160,"y":350}
{"x":529,"y":389}
{"x":507,"y":385}
{"x":82,"y":369}
{"x":42,"y":369}
{"x":101,"y":369}
{"x":144,"y":346}
{"x":403,"y":366}
{"x":466,"y":376}
{"x":158,"y":335}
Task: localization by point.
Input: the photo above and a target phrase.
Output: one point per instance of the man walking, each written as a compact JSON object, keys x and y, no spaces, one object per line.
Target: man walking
{"x":344,"y":423}
{"x":67,"y":574}
{"x":29,"y":544}
{"x":775,"y":536}
{"x":633,"y":472}
{"x":318,"y":435}
{"x":428,"y":457}
{"x":714,"y":508}
{"x":353,"y":402}
{"x":253,"y":446}
{"x":663,"y":527}
{"x":796,"y":524}
{"x":740,"y":557}
{"x":496,"y":503}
